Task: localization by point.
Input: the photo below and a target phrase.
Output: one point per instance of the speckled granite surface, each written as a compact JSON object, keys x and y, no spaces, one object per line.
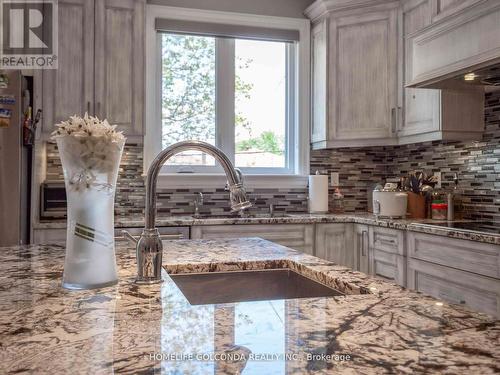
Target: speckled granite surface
{"x":153,"y":329}
{"x":360,"y":218}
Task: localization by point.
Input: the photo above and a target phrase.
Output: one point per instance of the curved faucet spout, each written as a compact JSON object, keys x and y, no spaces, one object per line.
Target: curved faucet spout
{"x":237,"y":192}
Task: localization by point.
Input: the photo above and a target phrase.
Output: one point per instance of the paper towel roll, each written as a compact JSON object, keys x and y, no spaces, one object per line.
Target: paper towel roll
{"x":318,"y":193}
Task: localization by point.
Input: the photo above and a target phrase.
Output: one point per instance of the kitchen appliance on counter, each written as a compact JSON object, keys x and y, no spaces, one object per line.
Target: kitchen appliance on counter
{"x":15,"y":158}
{"x":389,"y":201}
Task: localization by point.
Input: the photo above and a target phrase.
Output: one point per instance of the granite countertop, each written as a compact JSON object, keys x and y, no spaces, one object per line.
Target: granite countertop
{"x":377,"y":327}
{"x":414,"y":225}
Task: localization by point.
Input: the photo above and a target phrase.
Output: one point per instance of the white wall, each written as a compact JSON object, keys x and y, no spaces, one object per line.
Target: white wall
{"x":281,"y":8}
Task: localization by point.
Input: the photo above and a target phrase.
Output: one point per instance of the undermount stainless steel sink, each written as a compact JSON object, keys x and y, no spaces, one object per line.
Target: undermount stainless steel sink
{"x":240,"y":286}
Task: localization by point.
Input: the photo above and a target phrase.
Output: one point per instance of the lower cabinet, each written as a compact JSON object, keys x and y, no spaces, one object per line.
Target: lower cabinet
{"x":334,"y":243}
{"x":49,"y":236}
{"x":296,"y":236}
{"x":478,"y":292}
{"x":386,"y":254}
{"x":457,"y":271}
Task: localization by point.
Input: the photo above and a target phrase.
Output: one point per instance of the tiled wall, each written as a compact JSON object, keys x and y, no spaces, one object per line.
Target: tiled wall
{"x":131,"y":192}
{"x":478,"y":165}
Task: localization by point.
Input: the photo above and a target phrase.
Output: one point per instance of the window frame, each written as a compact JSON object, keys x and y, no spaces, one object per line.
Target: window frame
{"x":297,"y":106}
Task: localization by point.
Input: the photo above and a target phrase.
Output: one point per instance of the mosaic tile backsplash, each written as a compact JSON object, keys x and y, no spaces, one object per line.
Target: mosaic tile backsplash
{"x":477,"y":163}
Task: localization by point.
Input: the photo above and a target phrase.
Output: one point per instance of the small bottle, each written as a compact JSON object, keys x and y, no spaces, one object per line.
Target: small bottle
{"x":338,"y":202}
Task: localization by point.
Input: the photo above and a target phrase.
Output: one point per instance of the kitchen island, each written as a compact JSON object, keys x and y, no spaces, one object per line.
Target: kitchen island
{"x":376,"y":327}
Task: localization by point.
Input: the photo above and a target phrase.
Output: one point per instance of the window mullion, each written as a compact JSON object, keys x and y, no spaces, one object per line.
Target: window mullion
{"x":225,"y":95}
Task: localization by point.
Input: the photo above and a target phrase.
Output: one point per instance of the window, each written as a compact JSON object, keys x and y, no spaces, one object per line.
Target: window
{"x":230,"y":80}
{"x":241,"y":108}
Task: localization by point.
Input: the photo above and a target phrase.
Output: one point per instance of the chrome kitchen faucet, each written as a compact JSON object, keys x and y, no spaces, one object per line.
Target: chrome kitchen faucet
{"x":149,"y":246}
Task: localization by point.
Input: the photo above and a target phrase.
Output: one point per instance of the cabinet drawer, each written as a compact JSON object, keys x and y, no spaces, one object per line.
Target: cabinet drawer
{"x":388,"y":240}
{"x":296,"y":236}
{"x":472,"y":256}
{"x":459,"y":287}
{"x":49,"y":236}
{"x":388,"y":266}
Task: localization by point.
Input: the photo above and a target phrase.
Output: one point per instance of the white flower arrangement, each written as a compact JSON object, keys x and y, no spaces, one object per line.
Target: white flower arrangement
{"x":89,"y":147}
{"x":88,"y":126}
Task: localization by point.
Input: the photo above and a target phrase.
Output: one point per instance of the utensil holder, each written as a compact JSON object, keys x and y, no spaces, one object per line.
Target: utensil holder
{"x":416,"y":206}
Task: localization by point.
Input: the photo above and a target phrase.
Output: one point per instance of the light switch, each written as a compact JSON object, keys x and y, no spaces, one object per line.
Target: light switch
{"x":334,"y":178}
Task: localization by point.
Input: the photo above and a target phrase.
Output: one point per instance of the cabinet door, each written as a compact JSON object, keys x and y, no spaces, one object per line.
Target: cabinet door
{"x":334,"y":243}
{"x":295,"y":236}
{"x":459,"y":287}
{"x":421,"y":106}
{"x":69,"y":89}
{"x":361,"y":248}
{"x":364,"y":65}
{"x":119,"y":63}
{"x":388,"y":266}
{"x":387,"y":254}
{"x":319,"y":127}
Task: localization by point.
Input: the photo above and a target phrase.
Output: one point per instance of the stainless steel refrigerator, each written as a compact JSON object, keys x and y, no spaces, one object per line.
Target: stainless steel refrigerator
{"x":15,"y":159}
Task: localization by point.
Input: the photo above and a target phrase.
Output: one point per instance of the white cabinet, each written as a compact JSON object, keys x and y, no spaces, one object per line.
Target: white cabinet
{"x":387,"y":254}
{"x":431,"y":114}
{"x":296,"y":236}
{"x":360,"y":54}
{"x":69,"y":89}
{"x":457,"y":271}
{"x":455,"y":286}
{"x":334,"y":243}
{"x":49,"y":236}
{"x":119,"y":63}
{"x":463,"y":34}
{"x":100,"y":65}
{"x":355,"y":79}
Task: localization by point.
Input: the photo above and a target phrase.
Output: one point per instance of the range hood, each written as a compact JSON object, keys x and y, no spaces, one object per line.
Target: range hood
{"x":461,"y":51}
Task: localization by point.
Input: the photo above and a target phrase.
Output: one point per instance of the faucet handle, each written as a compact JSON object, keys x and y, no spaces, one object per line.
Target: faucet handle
{"x":129,"y":237}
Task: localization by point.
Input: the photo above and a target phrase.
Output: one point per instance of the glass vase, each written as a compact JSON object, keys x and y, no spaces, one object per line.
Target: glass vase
{"x":90,"y":166}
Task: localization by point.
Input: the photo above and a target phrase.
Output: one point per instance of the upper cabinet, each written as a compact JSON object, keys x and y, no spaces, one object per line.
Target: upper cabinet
{"x":356,"y":91}
{"x":464,"y":36}
{"x":359,"y":60}
{"x":100,"y":65}
{"x":430,"y":114}
{"x":119,"y":63}
{"x":69,"y":89}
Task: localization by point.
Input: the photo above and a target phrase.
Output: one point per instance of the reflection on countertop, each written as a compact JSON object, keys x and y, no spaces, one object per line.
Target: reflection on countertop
{"x":377,"y":327}
{"x":415,"y":225}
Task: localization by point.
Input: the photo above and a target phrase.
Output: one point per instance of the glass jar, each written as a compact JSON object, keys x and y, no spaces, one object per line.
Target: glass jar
{"x":439,"y":211}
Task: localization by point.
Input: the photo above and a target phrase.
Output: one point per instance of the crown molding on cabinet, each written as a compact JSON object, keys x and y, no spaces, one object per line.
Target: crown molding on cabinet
{"x":320,"y":7}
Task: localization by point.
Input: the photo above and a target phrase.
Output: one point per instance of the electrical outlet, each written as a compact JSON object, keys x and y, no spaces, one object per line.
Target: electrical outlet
{"x":335,"y":179}
{"x":438,"y":179}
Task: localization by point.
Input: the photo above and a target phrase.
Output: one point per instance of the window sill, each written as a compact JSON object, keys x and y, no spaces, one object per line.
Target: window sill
{"x":199,"y":181}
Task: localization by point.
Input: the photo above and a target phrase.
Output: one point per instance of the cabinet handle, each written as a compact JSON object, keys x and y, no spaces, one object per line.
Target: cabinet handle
{"x":172,"y":237}
{"x":88,"y":108}
{"x":363,"y":248}
{"x":393,"y":120}
{"x":452,"y":299}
